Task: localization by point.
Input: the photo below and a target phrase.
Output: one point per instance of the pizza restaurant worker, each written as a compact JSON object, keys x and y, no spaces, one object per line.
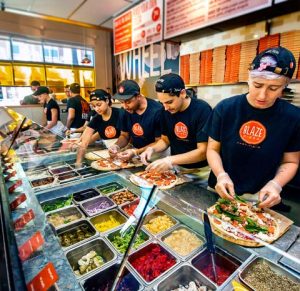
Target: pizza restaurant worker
{"x":254,"y":138}
{"x":51,"y":111}
{"x":141,"y":123}
{"x":81,"y":129}
{"x":78,"y":109}
{"x":106,"y":124}
{"x":181,"y":127}
{"x":31,"y":99}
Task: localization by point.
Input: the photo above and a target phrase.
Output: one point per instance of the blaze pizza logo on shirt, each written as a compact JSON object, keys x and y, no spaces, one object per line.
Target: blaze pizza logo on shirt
{"x":110,"y":132}
{"x":137,"y":129}
{"x":85,"y":109}
{"x":253,"y":132}
{"x":181,"y":130}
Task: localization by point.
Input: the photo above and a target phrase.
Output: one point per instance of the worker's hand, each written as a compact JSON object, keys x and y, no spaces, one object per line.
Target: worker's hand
{"x":160,"y":165}
{"x":269,"y":194}
{"x":74,"y":146}
{"x":224,"y":186}
{"x":127,"y":155}
{"x":113,"y":150}
{"x":68,"y":132}
{"x":146,"y":155}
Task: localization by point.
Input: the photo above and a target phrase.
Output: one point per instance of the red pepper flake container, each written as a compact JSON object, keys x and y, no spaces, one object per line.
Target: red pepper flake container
{"x":152,"y":261}
{"x":129,"y":208}
{"x":225,"y":265}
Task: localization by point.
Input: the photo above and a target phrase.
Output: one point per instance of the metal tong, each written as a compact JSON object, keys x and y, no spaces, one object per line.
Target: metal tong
{"x":210,"y":242}
{"x":135,"y":233}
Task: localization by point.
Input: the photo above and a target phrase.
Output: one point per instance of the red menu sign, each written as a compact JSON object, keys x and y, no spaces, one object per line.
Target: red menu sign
{"x":12,"y":188}
{"x":24,"y":219}
{"x":30,"y":246}
{"x":139,"y":26}
{"x":14,"y":204}
{"x":182,"y":16}
{"x":123,"y":33}
{"x":44,"y":279}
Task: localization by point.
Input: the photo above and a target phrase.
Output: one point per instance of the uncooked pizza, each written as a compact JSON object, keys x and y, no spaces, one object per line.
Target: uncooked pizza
{"x":104,"y":165}
{"x":164,"y":180}
{"x":243,"y":222}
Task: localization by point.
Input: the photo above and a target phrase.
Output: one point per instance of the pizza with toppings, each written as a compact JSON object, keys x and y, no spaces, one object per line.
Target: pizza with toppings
{"x":105,"y":165}
{"x":243,"y":223}
{"x":164,"y":180}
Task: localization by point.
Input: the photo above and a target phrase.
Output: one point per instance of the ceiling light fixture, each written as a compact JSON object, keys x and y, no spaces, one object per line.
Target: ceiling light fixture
{"x":86,"y":60}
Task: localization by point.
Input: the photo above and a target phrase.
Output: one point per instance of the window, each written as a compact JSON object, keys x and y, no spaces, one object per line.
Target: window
{"x":25,"y":74}
{"x":6,"y":76}
{"x":58,"y":54}
{"x":5,"y":49}
{"x":27,"y":51}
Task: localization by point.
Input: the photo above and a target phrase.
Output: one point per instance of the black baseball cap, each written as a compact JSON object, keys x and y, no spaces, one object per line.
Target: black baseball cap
{"x":127,"y":89}
{"x":285,"y":61}
{"x":170,"y":83}
{"x":98,"y":95}
{"x":41,"y":90}
{"x":75,"y":88}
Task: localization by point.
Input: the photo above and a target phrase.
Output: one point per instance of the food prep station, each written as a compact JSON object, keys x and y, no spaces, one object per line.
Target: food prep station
{"x":80,"y":218}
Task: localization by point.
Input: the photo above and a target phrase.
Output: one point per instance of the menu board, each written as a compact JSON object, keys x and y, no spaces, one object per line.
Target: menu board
{"x":140,"y":26}
{"x":182,"y":16}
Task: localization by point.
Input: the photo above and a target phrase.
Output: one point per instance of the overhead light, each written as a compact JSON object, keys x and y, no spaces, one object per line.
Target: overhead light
{"x":86,"y":60}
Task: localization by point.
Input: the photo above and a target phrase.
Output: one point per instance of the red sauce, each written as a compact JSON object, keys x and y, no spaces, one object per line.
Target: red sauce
{"x":225,"y":266}
{"x":151,"y":261}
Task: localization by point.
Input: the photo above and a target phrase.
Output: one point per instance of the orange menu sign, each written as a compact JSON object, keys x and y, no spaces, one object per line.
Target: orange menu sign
{"x":123,"y":33}
{"x":140,"y":26}
{"x":182,"y":16}
{"x":44,"y":279}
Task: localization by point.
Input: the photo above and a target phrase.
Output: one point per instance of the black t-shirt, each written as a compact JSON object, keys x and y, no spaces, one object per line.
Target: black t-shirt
{"x":184,"y":129}
{"x":82,"y":109}
{"x":91,"y":115}
{"x":143,"y":128}
{"x":29,"y":99}
{"x":48,"y":106}
{"x":253,"y":140}
{"x":108,"y":129}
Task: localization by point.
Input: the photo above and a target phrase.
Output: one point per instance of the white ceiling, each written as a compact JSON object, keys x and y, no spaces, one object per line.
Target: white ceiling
{"x":96,"y":12}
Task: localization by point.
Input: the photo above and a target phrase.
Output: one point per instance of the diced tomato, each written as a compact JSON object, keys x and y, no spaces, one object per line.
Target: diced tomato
{"x":235,"y":223}
{"x":271,"y":229}
{"x":260,"y":215}
{"x":217,"y":221}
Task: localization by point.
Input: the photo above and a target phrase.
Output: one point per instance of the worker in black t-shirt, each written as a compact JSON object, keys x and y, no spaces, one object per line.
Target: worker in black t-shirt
{"x":51,"y":111}
{"x":181,"y":126}
{"x":78,"y":109}
{"x":254,"y":138}
{"x":81,"y":129}
{"x":31,"y":99}
{"x":141,"y":124}
{"x":106,"y":124}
